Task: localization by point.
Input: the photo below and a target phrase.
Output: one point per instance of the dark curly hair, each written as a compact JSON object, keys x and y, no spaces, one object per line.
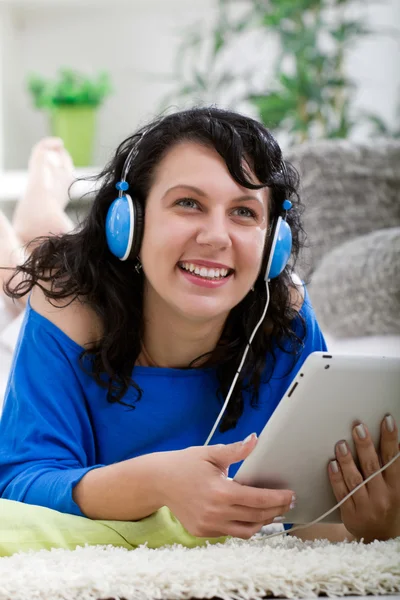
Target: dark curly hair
{"x":79,"y":264}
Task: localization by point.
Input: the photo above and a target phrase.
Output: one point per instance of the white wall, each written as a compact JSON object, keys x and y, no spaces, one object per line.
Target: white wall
{"x":137,"y":42}
{"x":375,"y":63}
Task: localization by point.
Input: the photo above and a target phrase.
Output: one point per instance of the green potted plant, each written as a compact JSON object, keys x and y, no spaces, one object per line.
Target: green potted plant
{"x":72,"y":101}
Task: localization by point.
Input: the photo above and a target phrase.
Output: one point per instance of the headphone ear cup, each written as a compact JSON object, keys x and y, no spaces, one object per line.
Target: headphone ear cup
{"x":124,"y":227}
{"x":281,"y":248}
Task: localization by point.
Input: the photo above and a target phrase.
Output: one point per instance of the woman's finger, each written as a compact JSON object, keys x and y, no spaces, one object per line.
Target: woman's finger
{"x":369,"y":462}
{"x":389,"y":447}
{"x":351,"y":475}
{"x":255,"y":515}
{"x":339,"y":487}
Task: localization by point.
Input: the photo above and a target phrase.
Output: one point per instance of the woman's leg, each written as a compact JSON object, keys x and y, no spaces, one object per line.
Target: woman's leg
{"x":41,"y":208}
{"x":40,"y":211}
{"x":11,"y":251}
{"x":11,"y":254}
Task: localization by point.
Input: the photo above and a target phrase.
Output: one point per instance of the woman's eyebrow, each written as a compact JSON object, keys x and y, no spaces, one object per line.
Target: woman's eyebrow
{"x":200,"y":192}
{"x":194,"y":189}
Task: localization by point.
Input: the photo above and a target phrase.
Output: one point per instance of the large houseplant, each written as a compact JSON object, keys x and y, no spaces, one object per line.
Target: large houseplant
{"x":72,"y":101}
{"x":308,"y":93}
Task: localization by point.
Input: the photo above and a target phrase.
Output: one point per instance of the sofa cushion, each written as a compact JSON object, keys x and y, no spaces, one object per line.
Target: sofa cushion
{"x":355,"y":289}
{"x":349,"y":189}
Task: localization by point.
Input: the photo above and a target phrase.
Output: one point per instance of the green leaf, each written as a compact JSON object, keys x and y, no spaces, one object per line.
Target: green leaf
{"x":288,"y":82}
{"x":274,"y":107}
{"x":380,"y":125}
{"x":218,"y":41}
{"x":348,"y":30}
{"x":344,"y":127}
{"x":200,"y":81}
{"x":271,"y":20}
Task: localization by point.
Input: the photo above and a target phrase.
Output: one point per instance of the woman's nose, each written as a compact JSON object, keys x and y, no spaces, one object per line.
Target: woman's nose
{"x":214,"y":232}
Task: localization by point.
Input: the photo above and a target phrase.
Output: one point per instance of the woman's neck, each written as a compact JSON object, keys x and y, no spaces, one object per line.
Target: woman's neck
{"x":174,"y":342}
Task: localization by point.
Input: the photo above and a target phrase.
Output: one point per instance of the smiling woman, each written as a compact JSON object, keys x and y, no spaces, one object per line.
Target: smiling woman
{"x":139,"y":321}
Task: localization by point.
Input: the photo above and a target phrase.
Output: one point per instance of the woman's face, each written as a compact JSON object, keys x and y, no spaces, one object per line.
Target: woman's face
{"x":204,"y":235}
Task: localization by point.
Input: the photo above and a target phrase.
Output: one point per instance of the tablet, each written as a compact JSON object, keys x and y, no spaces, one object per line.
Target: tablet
{"x":329,"y":393}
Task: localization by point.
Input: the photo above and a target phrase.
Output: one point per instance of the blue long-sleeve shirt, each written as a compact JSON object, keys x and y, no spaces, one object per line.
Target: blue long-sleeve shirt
{"x":57,"y":424}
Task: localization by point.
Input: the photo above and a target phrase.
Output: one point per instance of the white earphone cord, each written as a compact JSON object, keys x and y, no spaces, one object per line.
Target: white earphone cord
{"x":226,"y":404}
{"x":239,"y":369}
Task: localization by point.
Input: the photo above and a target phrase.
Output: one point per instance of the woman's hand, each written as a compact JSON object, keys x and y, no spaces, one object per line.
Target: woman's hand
{"x":373,"y":512}
{"x":194,"y":486}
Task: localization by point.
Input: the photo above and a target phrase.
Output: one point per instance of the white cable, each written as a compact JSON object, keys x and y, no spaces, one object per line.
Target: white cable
{"x":239,"y":369}
{"x":339,"y":503}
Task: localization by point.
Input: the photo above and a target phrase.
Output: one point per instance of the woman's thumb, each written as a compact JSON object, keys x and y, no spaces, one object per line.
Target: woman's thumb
{"x":225,"y":455}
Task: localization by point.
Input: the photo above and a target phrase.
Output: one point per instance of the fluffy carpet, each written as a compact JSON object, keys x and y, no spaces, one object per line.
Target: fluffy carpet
{"x":238,"y":569}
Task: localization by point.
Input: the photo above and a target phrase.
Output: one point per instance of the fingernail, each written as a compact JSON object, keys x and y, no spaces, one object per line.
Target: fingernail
{"x":292,"y":506}
{"x":389,"y":422}
{"x":334,"y":466}
{"x":343,"y":448}
{"x":249,"y":437}
{"x":279,"y":519}
{"x":360,"y":429}
{"x":294,"y":499}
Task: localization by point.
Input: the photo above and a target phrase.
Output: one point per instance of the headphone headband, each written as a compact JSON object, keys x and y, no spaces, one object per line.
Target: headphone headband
{"x":128,"y":163}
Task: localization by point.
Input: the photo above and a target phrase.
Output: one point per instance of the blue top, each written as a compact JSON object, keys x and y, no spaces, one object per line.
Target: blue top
{"x":57,"y":425}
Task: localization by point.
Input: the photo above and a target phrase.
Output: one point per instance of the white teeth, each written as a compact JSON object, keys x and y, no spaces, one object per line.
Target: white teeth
{"x":204,"y":272}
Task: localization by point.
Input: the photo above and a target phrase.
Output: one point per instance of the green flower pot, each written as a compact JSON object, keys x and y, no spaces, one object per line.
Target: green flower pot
{"x":76,"y":126}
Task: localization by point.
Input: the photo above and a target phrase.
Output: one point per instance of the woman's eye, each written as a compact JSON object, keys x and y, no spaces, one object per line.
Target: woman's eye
{"x":243,"y":211}
{"x":187,"y":203}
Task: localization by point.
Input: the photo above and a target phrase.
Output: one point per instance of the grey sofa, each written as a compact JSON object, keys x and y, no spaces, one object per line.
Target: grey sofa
{"x":352,"y":219}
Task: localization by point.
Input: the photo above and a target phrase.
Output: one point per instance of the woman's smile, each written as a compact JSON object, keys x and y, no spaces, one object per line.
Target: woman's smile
{"x":198,"y":273}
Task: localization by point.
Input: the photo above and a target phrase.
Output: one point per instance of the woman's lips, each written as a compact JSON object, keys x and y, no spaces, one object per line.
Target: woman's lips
{"x":203,"y":281}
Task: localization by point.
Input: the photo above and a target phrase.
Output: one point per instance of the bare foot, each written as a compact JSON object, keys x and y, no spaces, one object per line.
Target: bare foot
{"x":41,"y":209}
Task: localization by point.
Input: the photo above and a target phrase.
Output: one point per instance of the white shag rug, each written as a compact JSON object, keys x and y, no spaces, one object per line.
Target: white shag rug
{"x":238,"y":569}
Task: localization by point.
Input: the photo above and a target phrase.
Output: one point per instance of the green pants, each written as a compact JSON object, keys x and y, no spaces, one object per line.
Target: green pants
{"x":26,"y":527}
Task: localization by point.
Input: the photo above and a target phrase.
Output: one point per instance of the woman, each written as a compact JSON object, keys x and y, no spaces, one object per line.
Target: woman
{"x":123,"y":364}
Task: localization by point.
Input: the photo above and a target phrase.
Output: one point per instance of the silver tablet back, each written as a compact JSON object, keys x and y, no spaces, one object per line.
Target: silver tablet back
{"x":329,"y":395}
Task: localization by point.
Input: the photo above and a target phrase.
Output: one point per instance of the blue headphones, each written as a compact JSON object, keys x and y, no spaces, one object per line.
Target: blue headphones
{"x":124,"y":228}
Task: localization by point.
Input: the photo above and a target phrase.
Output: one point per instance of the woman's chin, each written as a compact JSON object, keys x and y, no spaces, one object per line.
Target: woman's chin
{"x":204,"y":309}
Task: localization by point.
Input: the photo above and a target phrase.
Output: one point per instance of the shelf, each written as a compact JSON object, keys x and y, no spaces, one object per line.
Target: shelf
{"x":13,"y":184}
